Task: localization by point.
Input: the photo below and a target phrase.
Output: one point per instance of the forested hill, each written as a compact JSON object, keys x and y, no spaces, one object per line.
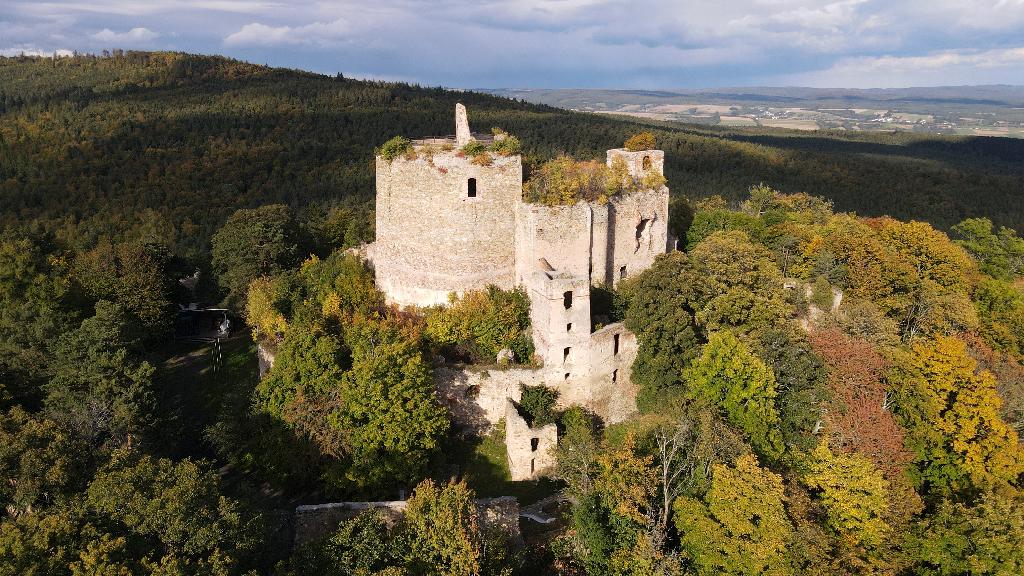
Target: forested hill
{"x":168,"y":145}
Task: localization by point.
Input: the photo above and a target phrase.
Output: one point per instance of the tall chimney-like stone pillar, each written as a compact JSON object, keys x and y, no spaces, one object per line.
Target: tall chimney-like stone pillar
{"x":462,"y":133}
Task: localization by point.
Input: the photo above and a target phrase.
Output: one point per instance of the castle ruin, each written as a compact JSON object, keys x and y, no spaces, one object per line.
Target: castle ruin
{"x":446,"y":224}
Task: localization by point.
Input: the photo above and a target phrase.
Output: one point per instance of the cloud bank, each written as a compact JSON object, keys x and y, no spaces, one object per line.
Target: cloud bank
{"x":549,"y":43}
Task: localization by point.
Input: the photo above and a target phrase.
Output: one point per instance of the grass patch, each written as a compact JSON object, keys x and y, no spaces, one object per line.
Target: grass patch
{"x":483,"y":463}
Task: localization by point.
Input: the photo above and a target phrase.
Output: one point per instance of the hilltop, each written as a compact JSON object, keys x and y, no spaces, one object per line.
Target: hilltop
{"x":168,"y":145}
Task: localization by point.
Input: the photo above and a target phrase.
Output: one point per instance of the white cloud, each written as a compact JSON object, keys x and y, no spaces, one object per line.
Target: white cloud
{"x":134,"y":36}
{"x":32,"y":51}
{"x":323,"y":34}
{"x":999,"y":66}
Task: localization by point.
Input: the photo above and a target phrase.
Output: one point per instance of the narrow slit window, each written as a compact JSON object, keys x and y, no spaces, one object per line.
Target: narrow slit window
{"x":615,"y":375}
{"x":568,"y":327}
{"x":565,"y":354}
{"x":567,"y":300}
{"x":615,"y":344}
{"x":532,"y":466}
{"x":566,"y":375}
{"x":471,"y":188}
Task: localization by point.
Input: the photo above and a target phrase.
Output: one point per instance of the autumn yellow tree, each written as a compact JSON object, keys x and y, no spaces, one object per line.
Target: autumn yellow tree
{"x":951,"y":413}
{"x":854,"y":496}
{"x":740,"y":526}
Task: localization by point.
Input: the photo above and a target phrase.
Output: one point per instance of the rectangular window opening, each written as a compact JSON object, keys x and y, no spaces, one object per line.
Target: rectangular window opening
{"x":616,"y":344}
{"x":568,"y":327}
{"x":566,"y":375}
{"x":471,"y":188}
{"x":622,"y":272}
{"x":534,"y":444}
{"x":567,"y":300}
{"x":565,"y":354}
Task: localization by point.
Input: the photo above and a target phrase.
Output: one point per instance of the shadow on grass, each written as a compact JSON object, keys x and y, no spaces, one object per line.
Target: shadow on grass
{"x":483,"y":463}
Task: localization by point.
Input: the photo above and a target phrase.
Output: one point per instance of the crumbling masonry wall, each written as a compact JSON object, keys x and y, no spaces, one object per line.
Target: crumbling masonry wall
{"x":530,"y":450}
{"x":433,"y":237}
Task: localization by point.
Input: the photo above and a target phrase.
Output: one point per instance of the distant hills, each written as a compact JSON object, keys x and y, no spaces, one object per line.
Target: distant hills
{"x":168,"y":145}
{"x":973,"y":110}
{"x":991,"y":95}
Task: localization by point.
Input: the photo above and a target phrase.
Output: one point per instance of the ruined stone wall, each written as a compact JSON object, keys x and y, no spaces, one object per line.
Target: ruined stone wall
{"x":433,"y":238}
{"x":530,"y":450}
{"x":641,"y":162}
{"x":600,"y":380}
{"x":638,"y":230}
{"x":318,"y":521}
{"x":559,"y":234}
{"x":265,"y":354}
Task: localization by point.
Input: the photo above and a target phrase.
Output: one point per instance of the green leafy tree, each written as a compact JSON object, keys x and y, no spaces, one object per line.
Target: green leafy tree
{"x":801,"y":379}
{"x":173,"y":514}
{"x":1000,"y":308}
{"x":659,"y":312}
{"x":136,"y":276}
{"x":39,"y":463}
{"x":1000,"y":253}
{"x":442,"y":533}
{"x":363,"y":545}
{"x":33,"y":289}
{"x":387,"y":406}
{"x":951,"y":413}
{"x":728,"y":375}
{"x":538,"y":402}
{"x":738,"y":285}
{"x":479,"y":324}
{"x":979,"y":539}
{"x":740,"y":526}
{"x":252,"y":243}
{"x":101,"y":390}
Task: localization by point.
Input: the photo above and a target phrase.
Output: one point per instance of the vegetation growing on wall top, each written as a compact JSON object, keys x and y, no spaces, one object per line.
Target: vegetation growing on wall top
{"x":640,"y":142}
{"x":566,"y":181}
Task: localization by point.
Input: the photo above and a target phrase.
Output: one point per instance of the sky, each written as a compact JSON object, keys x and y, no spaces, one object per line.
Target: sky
{"x":631,"y":44}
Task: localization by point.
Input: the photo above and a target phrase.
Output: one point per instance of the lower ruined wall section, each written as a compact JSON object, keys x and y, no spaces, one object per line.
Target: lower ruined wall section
{"x":318,"y":521}
{"x":530,"y":450}
{"x":265,"y":354}
{"x":601,"y":382}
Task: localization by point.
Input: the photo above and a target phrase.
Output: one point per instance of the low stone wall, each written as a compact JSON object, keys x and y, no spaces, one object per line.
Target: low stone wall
{"x":530,"y":450}
{"x":318,"y":521}
{"x":265,"y":354}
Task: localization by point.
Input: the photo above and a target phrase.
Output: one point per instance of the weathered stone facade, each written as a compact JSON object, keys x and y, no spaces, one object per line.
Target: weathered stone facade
{"x":446,"y":224}
{"x":530,"y":450}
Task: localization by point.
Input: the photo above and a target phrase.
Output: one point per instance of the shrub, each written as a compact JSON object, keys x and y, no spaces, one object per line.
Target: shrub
{"x":538,"y":405}
{"x":507,"y":146}
{"x":483,"y":159}
{"x":481,"y":323}
{"x":397,"y":146}
{"x":473,"y":148}
{"x":566,"y":181}
{"x":639,"y":142}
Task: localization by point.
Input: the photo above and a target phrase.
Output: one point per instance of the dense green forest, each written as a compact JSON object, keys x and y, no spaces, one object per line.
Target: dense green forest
{"x":166,"y":146}
{"x":820,"y":392}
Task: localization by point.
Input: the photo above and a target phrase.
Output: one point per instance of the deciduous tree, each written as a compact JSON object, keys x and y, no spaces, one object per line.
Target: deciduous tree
{"x":729,"y":376}
{"x":740,"y":526}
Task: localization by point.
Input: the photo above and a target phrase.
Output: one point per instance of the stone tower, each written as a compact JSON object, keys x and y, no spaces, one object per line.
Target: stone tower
{"x":444,"y":223}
